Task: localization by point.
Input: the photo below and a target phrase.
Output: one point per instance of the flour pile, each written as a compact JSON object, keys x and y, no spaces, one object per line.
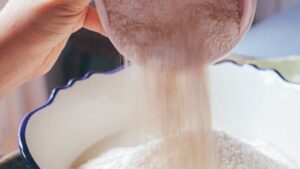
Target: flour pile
{"x":232,"y":154}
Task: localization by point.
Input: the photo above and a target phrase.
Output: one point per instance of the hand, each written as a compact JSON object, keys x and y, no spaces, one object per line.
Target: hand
{"x":34,"y":32}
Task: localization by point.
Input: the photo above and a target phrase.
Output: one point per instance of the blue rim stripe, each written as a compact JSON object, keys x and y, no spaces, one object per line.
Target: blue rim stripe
{"x":30,"y":162}
{"x":22,"y":130}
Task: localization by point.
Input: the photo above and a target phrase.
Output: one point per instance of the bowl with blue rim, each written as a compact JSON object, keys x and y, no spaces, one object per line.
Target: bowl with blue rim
{"x":247,"y":101}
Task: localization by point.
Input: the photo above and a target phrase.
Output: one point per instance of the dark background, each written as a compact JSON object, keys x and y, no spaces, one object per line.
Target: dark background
{"x":86,"y":51}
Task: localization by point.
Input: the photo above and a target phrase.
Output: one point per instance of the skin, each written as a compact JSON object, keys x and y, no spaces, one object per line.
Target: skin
{"x":33,"y":34}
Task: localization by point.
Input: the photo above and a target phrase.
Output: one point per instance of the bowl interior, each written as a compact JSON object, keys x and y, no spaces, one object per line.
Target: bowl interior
{"x":246,"y":103}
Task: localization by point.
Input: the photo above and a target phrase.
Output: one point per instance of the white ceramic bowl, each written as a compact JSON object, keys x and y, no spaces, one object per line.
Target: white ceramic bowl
{"x":246,"y":102}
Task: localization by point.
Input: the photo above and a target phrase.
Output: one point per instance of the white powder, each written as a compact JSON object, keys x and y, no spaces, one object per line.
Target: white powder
{"x":177,"y":32}
{"x":232,"y":154}
{"x":172,"y":41}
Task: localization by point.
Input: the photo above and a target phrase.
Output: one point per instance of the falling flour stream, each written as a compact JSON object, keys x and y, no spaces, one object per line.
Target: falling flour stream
{"x":170,"y":44}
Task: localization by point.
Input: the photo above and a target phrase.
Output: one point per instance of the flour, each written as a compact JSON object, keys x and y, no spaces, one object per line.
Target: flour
{"x":172,"y":42}
{"x":177,"y":32}
{"x":232,"y":154}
